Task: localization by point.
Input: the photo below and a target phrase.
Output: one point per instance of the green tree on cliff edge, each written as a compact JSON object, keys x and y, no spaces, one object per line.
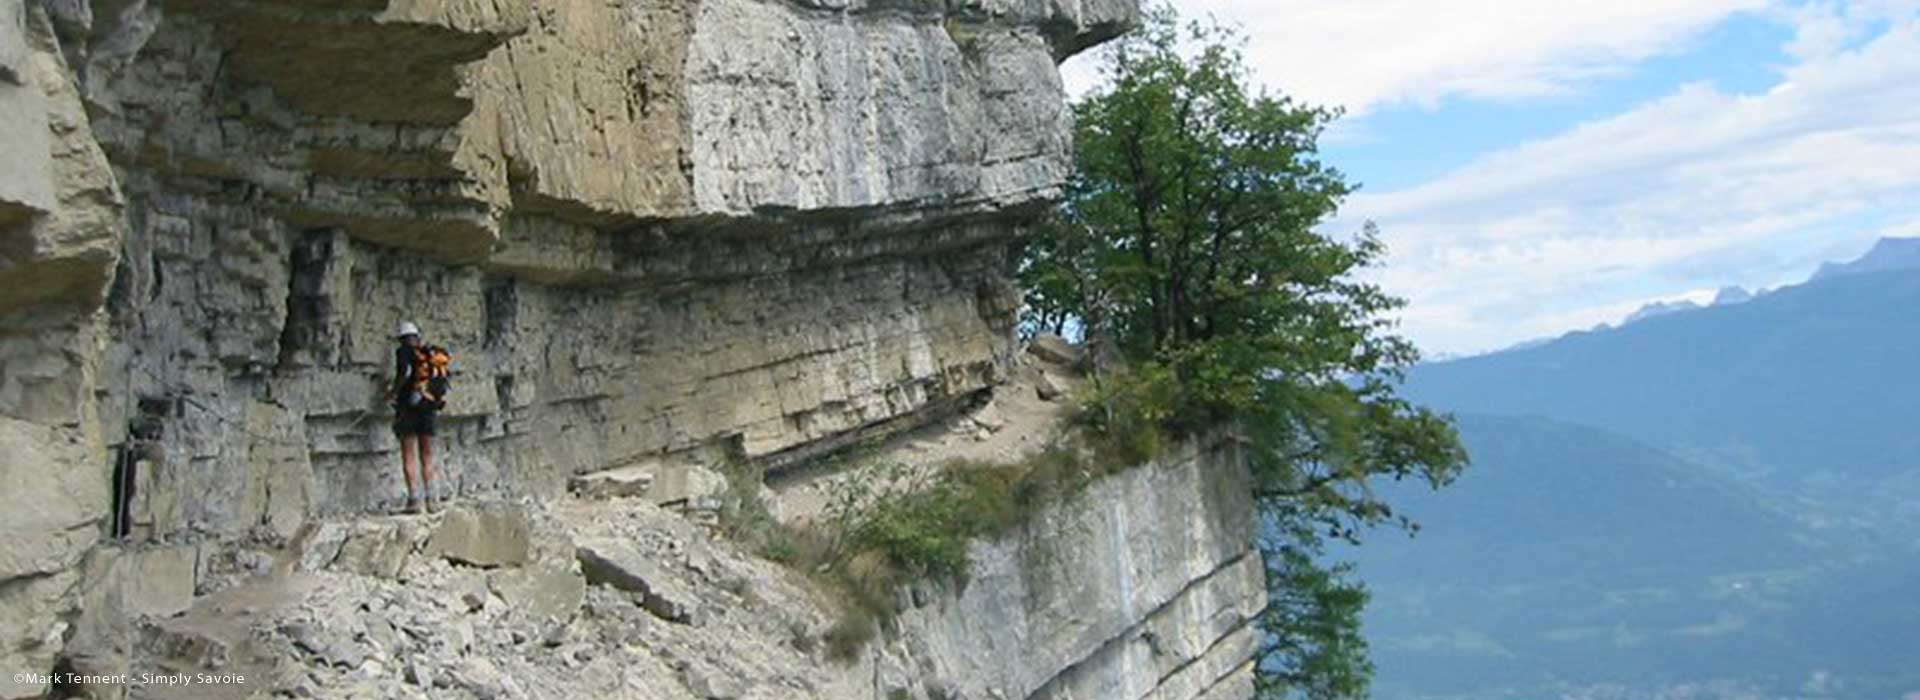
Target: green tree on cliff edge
{"x":1186,"y":250}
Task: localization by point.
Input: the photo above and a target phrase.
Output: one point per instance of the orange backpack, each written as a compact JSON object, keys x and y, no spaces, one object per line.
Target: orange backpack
{"x":432,"y":375}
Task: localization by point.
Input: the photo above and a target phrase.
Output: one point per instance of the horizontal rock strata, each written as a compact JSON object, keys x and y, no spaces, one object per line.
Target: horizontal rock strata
{"x":657,"y":232}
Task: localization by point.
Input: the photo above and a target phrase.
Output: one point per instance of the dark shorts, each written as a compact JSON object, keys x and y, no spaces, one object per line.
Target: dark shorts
{"x":407,"y":421}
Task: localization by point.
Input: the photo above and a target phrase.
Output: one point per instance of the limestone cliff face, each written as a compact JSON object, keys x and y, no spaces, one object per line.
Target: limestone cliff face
{"x":651,"y":230}
{"x":1145,"y":587}
{"x":645,"y":227}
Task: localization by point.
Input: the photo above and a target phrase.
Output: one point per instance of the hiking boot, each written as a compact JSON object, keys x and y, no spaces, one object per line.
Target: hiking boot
{"x":413,"y":506}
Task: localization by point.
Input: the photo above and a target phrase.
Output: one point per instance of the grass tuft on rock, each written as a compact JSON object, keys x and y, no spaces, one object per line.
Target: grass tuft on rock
{"x":879,"y":537}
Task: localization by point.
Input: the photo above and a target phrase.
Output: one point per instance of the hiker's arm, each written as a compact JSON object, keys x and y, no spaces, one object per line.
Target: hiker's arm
{"x":401,"y":371}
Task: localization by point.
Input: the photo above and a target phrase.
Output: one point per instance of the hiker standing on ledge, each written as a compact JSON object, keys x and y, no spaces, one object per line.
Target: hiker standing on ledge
{"x":414,"y":409}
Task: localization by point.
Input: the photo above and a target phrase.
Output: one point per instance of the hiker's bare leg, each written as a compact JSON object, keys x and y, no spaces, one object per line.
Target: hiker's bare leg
{"x":408,"y":468}
{"x":426,"y":469}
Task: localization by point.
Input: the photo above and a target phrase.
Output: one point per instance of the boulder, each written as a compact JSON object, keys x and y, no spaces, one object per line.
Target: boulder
{"x":317,"y":544}
{"x":613,"y":483}
{"x":490,"y":536}
{"x":711,"y":684}
{"x":373,"y":547}
{"x":455,"y":638}
{"x":380,"y":547}
{"x":687,"y":484}
{"x":184,"y":644}
{"x":474,"y":595}
{"x":1046,"y":388}
{"x":483,"y":679}
{"x":1055,"y":349}
{"x":989,"y":417}
{"x":155,"y":581}
{"x":616,"y":564}
{"x":539,"y":592}
{"x":380,"y":631}
{"x":31,"y":627}
{"x":52,"y":490}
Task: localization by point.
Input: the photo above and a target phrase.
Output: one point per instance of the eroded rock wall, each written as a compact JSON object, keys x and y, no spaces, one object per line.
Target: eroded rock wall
{"x":1143,"y":587}
{"x":749,"y":229}
{"x":662,"y":226}
{"x":58,"y":230}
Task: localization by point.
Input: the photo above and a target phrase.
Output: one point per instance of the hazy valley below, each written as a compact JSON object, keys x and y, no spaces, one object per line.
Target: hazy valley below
{"x":1709,"y":503}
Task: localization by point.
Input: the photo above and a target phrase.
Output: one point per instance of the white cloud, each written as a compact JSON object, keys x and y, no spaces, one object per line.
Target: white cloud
{"x":1691,"y":191}
{"x":1688,"y":192}
{"x":1364,"y":54}
{"x":1825,"y":27}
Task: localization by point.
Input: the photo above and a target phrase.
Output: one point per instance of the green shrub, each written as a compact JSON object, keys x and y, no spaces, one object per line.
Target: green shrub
{"x":923,"y":533}
{"x":1126,"y":415}
{"x":780,"y":549}
{"x":881,"y":534}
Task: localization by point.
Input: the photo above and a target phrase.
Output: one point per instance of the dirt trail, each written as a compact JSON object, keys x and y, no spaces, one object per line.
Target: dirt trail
{"x":1013,"y":423}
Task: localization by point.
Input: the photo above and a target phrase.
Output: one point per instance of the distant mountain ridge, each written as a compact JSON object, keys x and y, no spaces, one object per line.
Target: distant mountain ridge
{"x":1660,"y":308}
{"x":1819,"y":378}
{"x":1725,"y":297}
{"x":1713,"y":502}
{"x":1887,"y":254}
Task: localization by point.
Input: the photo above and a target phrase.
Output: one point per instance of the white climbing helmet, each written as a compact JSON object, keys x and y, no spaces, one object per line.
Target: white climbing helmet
{"x":405,"y":329}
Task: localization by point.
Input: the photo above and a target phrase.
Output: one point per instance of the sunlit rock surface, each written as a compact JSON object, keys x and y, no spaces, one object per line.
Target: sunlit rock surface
{"x":655,"y":232}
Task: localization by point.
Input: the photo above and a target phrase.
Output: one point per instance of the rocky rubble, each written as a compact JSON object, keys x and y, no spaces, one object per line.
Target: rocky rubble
{"x":619,"y":598}
{"x":685,"y":616}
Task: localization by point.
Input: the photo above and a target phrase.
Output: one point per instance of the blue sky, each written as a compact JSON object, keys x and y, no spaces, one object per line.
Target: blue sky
{"x":1541,"y":167}
{"x":1403,"y":145}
